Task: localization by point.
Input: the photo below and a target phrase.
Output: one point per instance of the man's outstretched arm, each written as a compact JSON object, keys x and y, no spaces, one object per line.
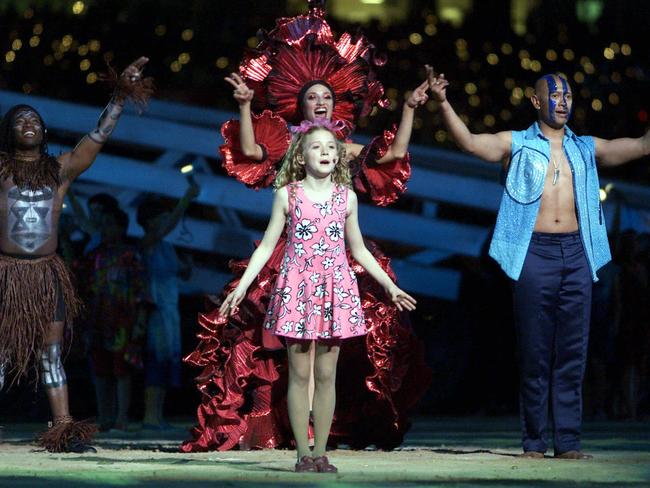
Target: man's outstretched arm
{"x":619,"y":151}
{"x":490,"y":147}
{"x":82,"y":156}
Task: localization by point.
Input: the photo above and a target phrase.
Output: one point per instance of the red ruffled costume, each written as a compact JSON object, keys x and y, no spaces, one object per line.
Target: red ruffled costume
{"x":244,"y":378}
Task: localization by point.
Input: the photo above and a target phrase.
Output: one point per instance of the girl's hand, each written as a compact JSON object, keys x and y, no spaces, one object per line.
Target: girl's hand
{"x":242,"y":93}
{"x":401,"y":299}
{"x":419,"y":95}
{"x":437,"y":85}
{"x":229,"y":305}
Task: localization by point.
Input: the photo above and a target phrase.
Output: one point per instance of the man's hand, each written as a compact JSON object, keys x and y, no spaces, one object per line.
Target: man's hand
{"x":131,"y":78}
{"x":133,"y":72}
{"x":242,"y":93}
{"x":437,"y":85}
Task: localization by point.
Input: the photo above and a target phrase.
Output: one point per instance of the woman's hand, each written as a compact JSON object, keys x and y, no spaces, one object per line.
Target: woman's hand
{"x":401,"y":299}
{"x":242,"y":93}
{"x":418,"y":96}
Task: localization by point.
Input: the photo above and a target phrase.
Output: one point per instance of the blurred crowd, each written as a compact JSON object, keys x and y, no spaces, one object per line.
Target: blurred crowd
{"x":130,"y":287}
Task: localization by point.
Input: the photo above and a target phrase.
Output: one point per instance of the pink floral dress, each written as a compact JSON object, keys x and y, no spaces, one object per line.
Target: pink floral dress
{"x":316,"y":294}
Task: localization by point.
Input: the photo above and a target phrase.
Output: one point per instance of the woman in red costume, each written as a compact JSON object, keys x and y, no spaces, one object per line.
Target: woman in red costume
{"x":300,"y":71}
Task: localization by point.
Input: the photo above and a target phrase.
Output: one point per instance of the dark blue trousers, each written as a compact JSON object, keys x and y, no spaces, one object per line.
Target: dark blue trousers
{"x":552,"y":301}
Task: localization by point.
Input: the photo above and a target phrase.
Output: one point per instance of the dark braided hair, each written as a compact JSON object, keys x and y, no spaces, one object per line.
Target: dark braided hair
{"x":7,"y":136}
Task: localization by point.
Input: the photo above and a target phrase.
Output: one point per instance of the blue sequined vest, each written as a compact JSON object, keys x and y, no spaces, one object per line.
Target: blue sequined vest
{"x":530,"y":156}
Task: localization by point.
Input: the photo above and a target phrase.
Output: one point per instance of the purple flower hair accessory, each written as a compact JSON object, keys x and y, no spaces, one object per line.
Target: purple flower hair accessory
{"x":307,"y":125}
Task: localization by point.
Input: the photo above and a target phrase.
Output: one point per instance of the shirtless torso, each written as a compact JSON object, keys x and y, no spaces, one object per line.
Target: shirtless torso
{"x":557,"y":212}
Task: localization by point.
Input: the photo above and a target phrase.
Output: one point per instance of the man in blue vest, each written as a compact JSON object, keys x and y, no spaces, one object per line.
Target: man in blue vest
{"x":550,"y":238}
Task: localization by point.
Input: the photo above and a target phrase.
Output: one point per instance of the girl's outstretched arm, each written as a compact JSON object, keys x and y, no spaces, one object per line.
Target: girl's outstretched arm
{"x":360,"y":253}
{"x":262,"y":253}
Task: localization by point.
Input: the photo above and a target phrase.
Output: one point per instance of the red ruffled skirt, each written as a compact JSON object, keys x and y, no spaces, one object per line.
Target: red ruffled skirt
{"x":243,"y":382}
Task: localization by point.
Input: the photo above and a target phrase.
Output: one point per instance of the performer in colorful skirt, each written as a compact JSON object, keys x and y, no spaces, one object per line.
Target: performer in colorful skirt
{"x":37,"y":297}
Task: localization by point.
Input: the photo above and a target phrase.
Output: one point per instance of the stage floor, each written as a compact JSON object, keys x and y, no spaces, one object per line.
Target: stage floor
{"x":458,"y":452}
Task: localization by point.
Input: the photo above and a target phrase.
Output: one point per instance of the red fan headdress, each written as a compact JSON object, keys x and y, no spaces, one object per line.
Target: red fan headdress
{"x":302,"y":49}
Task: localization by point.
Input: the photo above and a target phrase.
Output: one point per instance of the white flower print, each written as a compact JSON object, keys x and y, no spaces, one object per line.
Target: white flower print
{"x":320,"y":291}
{"x":284,"y":294}
{"x":297,"y":211}
{"x":338,"y":275}
{"x":287,"y":327}
{"x":316,"y":310}
{"x":301,"y":307}
{"x":328,"y":311}
{"x":300,"y":328}
{"x":338,"y":198}
{"x":356,"y":317}
{"x":314,"y":277}
{"x":325,"y":334}
{"x":341,"y":293}
{"x":324,"y":208}
{"x":336,"y":326}
{"x":353,"y":275}
{"x":334,"y":231}
{"x":305,"y":229}
{"x":270,"y":324}
{"x":356,"y":301}
{"x":328,"y":263}
{"x":299,"y":249}
{"x":321,"y":247}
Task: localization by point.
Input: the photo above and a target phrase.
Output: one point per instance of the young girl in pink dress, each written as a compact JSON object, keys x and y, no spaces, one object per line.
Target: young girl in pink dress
{"x":315,"y":303}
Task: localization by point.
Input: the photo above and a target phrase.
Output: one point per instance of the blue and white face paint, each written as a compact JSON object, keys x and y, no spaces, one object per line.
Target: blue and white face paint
{"x":552,"y":104}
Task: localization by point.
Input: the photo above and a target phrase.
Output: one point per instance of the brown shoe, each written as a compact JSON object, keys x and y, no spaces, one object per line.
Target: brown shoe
{"x":574,"y":455}
{"x":323,"y":465}
{"x":532,"y":455}
{"x":306,"y":465}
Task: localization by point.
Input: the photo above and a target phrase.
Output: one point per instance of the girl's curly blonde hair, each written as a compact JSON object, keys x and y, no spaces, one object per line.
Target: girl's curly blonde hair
{"x":292,"y":170}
